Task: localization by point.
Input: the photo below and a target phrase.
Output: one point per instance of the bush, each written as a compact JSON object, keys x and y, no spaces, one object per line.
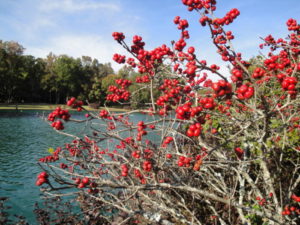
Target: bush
{"x":223,"y":152}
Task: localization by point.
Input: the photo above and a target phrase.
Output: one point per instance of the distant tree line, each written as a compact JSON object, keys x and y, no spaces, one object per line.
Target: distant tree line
{"x":26,"y":79}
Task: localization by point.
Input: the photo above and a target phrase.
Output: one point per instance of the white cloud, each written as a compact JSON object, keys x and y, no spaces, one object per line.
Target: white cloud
{"x":76,"y":5}
{"x":77,"y":46}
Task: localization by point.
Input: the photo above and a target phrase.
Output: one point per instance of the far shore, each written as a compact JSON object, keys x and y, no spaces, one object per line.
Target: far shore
{"x":51,"y":107}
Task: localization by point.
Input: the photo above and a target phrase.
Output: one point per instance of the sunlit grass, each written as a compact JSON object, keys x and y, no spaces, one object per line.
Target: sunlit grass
{"x":49,"y":107}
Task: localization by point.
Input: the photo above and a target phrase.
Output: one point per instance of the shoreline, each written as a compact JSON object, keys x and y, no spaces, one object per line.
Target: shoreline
{"x":52,"y":107}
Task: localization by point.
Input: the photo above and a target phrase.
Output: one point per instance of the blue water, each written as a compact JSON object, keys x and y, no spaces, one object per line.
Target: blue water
{"x":24,"y":138}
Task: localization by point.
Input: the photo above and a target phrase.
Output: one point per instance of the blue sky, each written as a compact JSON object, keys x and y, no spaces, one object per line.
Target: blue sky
{"x":84,"y":27}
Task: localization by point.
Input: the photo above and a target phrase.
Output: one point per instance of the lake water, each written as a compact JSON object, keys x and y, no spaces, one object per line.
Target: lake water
{"x":24,"y":138}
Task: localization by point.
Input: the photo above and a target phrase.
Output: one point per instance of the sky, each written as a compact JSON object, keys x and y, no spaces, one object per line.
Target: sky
{"x":84,"y":27}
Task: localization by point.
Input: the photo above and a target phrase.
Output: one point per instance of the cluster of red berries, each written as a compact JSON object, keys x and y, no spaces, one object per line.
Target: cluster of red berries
{"x":184,"y":161}
{"x":203,"y":20}
{"x":82,"y":183}
{"x":289,"y":84}
{"x":131,"y":62}
{"x":136,"y":154}
{"x":58,"y":125}
{"x":207,"y":103}
{"x":245,"y":92}
{"x":124,"y":171}
{"x":271,"y":63}
{"x":41,"y":178}
{"x":258,"y":73}
{"x":118,"y":36}
{"x":138,"y":174}
{"x":290,"y":210}
{"x":229,"y":35}
{"x":147,"y":166}
{"x":51,"y":158}
{"x":171,"y":90}
{"x":124,"y":83}
{"x":119,"y":58}
{"x":199,"y":4}
{"x":194,"y":130}
{"x":222,"y":88}
{"x":220,"y":39}
{"x":59,"y":113}
{"x":261,"y":201}
{"x":117,"y":94}
{"x":237,"y":75}
{"x":75,"y":103}
{"x":167,"y":141}
{"x":228,"y":18}
{"x":180,"y":44}
{"x":190,"y":70}
{"x":292,"y":25}
{"x":103,"y":114}
{"x":184,"y":112}
{"x":142,"y":79}
{"x":141,"y":130}
{"x":137,"y":44}
{"x":182,"y":24}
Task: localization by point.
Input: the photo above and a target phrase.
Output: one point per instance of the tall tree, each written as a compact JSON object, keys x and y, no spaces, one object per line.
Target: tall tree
{"x":10,"y":71}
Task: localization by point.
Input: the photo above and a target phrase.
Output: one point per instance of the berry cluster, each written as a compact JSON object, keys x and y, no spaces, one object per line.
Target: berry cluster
{"x":82,"y":182}
{"x":171,"y":90}
{"x":292,"y":25}
{"x":136,"y":154}
{"x":207,"y":103}
{"x":245,"y":92}
{"x":237,"y":75}
{"x":289,"y":84}
{"x":142,"y":79}
{"x":124,"y":83}
{"x":147,"y":166}
{"x":199,"y":4}
{"x":137,"y":44}
{"x":42,"y":178}
{"x":184,"y":161}
{"x":194,"y":130}
{"x":228,"y":18}
{"x":103,"y":114}
{"x":58,"y":125}
{"x":117,"y":94}
{"x":119,"y":58}
{"x":51,"y":158}
{"x":167,"y":141}
{"x":74,"y":103}
{"x":118,"y":36}
{"x":222,"y":88}
{"x":180,"y":44}
{"x":185,"y":112}
{"x":258,"y":73}
{"x":59,"y":113}
{"x":141,"y":130}
{"x":124,"y":169}
{"x":131,"y":62}
{"x":182,"y":24}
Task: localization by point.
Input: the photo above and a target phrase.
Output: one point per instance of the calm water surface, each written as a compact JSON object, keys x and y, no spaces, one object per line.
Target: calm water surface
{"x":24,"y":138}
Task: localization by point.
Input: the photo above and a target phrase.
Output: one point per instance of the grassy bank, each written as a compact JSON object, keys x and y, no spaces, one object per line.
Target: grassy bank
{"x":48,"y":107}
